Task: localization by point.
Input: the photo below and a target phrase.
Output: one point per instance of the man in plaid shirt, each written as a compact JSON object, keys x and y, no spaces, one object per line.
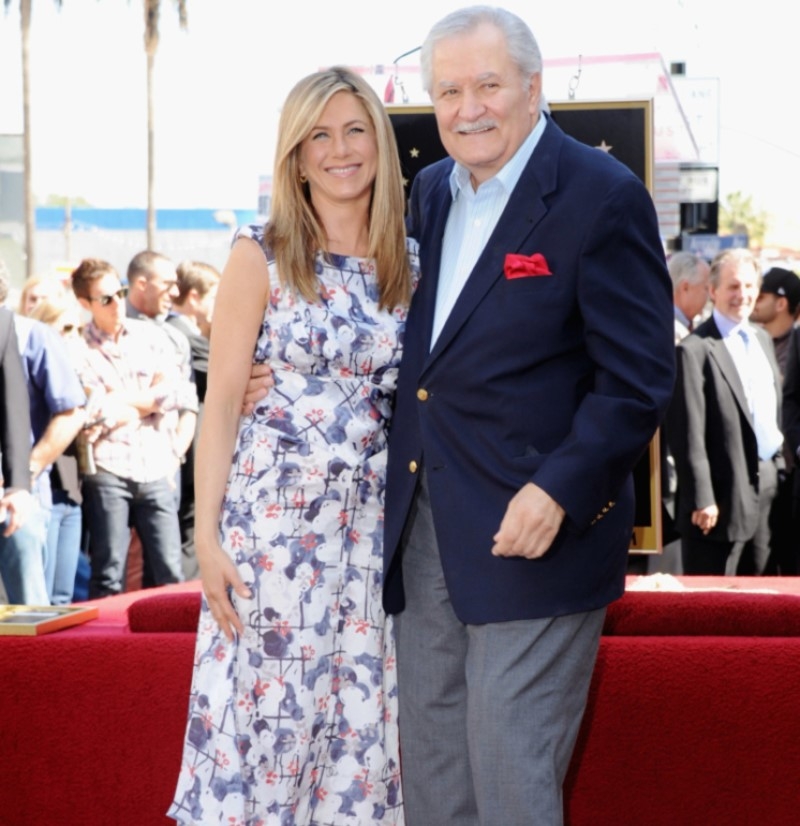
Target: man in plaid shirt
{"x":135,"y":393}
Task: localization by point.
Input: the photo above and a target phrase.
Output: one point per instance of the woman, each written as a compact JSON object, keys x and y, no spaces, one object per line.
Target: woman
{"x":38,"y":288}
{"x":65,"y":527}
{"x":292,"y":714}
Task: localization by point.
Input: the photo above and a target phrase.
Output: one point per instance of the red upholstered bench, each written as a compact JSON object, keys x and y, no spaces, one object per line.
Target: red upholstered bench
{"x":692,"y":716}
{"x":165,"y":612}
{"x":725,"y":613}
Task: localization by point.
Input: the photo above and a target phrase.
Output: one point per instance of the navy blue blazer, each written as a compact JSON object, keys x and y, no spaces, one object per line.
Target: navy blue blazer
{"x":559,"y":379}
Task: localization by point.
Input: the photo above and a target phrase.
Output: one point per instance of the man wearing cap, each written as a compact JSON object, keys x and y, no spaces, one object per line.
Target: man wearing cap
{"x":723,"y":427}
{"x":776,"y":309}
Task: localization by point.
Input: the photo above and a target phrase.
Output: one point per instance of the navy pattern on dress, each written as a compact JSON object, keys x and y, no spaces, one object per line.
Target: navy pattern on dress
{"x":295,"y":723}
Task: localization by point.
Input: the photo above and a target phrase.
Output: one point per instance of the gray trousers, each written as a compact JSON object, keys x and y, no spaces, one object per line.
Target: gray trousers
{"x":488,"y":714}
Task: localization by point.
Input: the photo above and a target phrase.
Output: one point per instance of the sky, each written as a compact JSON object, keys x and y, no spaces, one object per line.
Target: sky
{"x":220,"y":85}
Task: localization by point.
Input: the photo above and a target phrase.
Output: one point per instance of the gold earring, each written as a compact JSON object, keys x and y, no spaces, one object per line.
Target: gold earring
{"x":303,"y":178}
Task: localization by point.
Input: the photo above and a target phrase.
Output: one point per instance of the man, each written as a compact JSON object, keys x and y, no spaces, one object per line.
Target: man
{"x":776,"y":309}
{"x":689,"y":275}
{"x":57,"y":412}
{"x":538,"y":361}
{"x":152,"y":289}
{"x":15,"y":429}
{"x":723,"y":426}
{"x":191,"y":315}
{"x":192,"y":311}
{"x":132,"y":378}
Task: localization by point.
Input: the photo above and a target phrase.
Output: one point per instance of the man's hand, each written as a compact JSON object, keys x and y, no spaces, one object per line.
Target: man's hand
{"x":257,"y":388}
{"x":530,"y":524}
{"x":15,"y":507}
{"x":705,"y":518}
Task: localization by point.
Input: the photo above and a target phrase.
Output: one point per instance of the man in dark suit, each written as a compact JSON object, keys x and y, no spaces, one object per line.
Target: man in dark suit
{"x":791,"y":433}
{"x":724,"y":428}
{"x":15,"y":441}
{"x":538,"y":360}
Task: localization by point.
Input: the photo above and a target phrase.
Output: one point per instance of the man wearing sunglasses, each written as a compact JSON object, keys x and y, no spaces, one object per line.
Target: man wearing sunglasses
{"x":152,"y":287}
{"x":132,"y":381}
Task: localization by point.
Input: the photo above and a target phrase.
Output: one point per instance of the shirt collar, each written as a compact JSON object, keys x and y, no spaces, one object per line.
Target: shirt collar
{"x":728,"y":326}
{"x":680,"y":315}
{"x":509,"y":175}
{"x":93,"y":334}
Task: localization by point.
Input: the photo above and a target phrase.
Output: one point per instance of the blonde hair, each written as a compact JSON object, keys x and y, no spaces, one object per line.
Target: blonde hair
{"x":52,"y":289}
{"x":51,"y":311}
{"x":294,"y":232}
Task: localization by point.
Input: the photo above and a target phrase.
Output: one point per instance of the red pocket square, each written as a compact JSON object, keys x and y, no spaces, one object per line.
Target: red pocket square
{"x":522,"y":266}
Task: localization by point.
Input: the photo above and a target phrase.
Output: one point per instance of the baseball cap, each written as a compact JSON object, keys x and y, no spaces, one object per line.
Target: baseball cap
{"x":786,"y":283}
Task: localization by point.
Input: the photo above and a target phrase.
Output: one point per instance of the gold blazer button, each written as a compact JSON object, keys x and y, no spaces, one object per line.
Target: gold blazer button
{"x":422,"y":394}
{"x":412,"y":466}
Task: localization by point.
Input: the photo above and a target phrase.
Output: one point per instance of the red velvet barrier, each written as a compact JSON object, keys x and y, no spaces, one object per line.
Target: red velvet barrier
{"x":689,"y":731}
{"x":710,"y":613}
{"x":679,"y":731}
{"x":91,"y":727}
{"x":165,"y":612}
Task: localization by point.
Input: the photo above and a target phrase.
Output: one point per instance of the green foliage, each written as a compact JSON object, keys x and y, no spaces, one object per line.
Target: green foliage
{"x":737,"y":215}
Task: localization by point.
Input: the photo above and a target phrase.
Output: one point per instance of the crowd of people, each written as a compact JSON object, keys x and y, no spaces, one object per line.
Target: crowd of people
{"x":731,"y":497}
{"x":412,"y":513}
{"x":115,"y":375}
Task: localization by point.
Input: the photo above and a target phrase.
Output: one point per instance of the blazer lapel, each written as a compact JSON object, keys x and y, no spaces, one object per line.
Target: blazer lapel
{"x":430,"y":244}
{"x":524,"y":210}
{"x":720,"y":353}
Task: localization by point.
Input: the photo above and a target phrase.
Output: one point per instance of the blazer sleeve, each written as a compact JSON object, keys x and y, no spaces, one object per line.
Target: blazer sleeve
{"x":625,"y":298}
{"x":15,"y":422}
{"x":686,"y":426}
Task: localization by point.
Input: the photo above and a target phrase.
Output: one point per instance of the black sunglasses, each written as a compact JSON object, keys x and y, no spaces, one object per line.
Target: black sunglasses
{"x":105,"y":300}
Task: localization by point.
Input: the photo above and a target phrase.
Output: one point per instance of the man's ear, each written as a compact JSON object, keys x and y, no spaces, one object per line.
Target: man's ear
{"x":535,"y":94}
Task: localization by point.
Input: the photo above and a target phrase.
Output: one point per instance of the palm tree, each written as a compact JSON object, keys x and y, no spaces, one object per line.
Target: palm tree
{"x":29,"y":205}
{"x":152,"y":8}
{"x":738,"y":216}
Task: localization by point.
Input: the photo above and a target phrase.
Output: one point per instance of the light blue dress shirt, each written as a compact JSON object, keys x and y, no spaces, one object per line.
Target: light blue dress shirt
{"x":472,"y":218}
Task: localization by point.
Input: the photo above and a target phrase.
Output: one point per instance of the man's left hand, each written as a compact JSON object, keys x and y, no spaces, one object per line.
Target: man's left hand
{"x":530,"y":524}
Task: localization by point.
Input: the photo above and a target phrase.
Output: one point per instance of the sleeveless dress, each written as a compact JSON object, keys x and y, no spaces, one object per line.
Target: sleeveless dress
{"x":295,"y":722}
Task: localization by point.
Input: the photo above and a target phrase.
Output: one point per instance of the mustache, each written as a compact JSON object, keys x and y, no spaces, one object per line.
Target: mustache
{"x":476,"y":126}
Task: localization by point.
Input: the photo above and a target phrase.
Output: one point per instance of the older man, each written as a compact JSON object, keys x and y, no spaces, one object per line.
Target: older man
{"x":723,"y":427}
{"x":689,"y":274}
{"x":538,"y":361}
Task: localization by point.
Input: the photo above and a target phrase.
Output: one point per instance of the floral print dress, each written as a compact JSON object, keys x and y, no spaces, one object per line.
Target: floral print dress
{"x":295,"y":722}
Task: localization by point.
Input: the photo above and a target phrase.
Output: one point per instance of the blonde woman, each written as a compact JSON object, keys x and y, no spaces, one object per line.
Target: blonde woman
{"x":293,"y":715}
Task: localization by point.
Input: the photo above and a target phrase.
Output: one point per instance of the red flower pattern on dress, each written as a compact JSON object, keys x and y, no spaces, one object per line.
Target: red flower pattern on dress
{"x":301,"y":507}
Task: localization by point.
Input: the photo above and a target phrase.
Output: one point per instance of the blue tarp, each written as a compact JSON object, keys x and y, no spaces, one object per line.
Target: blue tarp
{"x":85,"y":218}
